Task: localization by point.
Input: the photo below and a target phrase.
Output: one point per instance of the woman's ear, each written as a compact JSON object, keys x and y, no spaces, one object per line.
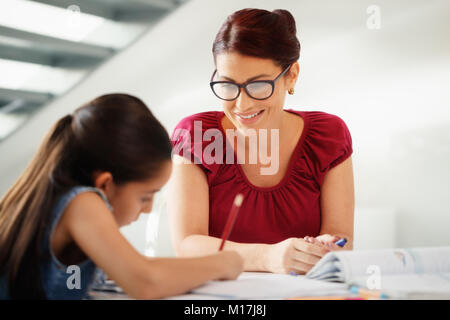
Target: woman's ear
{"x":104,"y":181}
{"x":293,"y":75}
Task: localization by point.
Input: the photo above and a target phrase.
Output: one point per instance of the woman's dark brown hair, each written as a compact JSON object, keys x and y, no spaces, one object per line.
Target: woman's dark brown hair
{"x":260,"y":33}
{"x":115,"y":133}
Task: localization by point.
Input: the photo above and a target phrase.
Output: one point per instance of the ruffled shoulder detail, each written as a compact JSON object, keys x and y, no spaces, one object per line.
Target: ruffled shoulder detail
{"x":195,"y":137}
{"x":327,"y":143}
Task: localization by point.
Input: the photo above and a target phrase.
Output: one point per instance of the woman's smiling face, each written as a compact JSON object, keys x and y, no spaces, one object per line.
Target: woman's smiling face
{"x":264,"y":114}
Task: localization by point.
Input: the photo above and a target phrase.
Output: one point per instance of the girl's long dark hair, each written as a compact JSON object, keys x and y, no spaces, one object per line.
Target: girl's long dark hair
{"x":115,"y":133}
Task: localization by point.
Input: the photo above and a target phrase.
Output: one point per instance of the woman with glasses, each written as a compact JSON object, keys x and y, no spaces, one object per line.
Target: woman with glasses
{"x":291,"y":216}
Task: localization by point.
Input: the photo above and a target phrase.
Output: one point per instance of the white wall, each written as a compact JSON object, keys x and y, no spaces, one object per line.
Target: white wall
{"x":389,"y":85}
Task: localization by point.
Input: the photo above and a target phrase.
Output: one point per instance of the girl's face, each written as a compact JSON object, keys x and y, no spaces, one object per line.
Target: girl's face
{"x":240,"y":69}
{"x":133,"y":198}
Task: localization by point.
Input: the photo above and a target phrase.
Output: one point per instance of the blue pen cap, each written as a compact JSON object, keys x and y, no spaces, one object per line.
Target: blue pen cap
{"x":341,"y":242}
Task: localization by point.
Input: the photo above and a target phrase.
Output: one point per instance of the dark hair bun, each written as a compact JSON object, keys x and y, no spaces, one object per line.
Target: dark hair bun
{"x":260,"y":33}
{"x":288,"y":20}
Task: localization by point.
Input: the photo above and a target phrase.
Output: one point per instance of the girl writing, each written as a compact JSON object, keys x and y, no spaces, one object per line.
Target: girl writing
{"x":97,"y":170}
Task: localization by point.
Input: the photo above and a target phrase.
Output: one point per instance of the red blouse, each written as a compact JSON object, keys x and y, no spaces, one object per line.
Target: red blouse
{"x":291,"y":208}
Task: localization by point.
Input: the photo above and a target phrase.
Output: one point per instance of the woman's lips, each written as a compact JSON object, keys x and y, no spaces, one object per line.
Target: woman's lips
{"x":247,"y":118}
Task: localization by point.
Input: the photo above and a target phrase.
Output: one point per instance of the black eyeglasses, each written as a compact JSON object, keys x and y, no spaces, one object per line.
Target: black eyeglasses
{"x":259,"y":89}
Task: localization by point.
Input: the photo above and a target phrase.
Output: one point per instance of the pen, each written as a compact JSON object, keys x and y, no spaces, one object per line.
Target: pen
{"x":341,"y":242}
{"x":231,"y":218}
{"x":368,"y":294}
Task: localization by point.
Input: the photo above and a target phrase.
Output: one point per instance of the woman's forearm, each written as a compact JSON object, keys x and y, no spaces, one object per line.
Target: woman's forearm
{"x":255,"y":255}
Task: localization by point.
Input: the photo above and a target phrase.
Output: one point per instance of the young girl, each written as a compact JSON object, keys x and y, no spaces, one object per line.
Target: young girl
{"x":96,"y":171}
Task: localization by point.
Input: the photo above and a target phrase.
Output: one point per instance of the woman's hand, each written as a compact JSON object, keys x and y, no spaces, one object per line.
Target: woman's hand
{"x":294,"y":255}
{"x":326,"y":240}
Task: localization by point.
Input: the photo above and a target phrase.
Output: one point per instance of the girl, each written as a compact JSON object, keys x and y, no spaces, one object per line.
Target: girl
{"x":96,"y":171}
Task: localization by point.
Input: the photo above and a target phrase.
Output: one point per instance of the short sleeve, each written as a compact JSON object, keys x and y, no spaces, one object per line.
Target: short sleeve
{"x":328,"y":141}
{"x":198,"y":139}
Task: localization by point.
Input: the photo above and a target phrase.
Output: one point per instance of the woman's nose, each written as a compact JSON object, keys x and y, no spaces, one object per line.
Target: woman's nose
{"x":243,"y":101}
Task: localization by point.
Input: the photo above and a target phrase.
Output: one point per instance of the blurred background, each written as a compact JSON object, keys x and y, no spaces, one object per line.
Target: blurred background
{"x":383,"y":66}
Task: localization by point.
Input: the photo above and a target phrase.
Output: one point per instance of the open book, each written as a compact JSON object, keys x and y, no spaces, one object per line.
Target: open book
{"x":414,"y":273}
{"x":261,"y":285}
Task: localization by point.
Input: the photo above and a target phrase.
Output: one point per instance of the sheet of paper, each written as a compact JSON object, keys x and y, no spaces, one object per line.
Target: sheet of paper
{"x":255,"y":285}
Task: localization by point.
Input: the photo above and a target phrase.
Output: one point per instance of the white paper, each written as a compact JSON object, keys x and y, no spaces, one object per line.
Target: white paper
{"x":253,"y":285}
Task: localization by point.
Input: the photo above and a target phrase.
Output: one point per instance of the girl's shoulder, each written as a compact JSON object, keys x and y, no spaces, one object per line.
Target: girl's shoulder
{"x":73,"y":194}
{"x":79,"y":199}
{"x":83,"y":201}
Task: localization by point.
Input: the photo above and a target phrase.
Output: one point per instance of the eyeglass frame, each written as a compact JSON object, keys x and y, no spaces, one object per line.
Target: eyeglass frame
{"x":244,"y":85}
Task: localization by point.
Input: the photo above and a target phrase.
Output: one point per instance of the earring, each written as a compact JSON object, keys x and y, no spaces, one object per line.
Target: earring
{"x":291,"y":91}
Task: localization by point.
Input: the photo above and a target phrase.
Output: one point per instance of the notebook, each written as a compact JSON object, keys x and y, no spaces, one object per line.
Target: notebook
{"x":260,"y":285}
{"x":411,"y":273}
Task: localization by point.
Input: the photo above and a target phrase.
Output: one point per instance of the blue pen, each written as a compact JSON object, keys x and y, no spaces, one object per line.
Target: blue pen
{"x":341,"y":242}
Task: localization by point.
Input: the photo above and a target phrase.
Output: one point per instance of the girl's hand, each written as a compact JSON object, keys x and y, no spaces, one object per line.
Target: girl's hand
{"x":294,"y":255}
{"x":326,"y":240}
{"x":231,"y":263}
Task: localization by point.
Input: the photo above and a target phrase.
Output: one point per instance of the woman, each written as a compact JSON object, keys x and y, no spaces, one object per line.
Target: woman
{"x":291,"y":216}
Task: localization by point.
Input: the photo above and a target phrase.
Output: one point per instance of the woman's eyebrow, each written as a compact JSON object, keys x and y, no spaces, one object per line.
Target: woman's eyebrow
{"x":250,"y":79}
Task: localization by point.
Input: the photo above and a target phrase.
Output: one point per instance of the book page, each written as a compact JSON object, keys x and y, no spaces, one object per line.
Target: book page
{"x":394,"y":261}
{"x":259,"y":285}
{"x":329,"y":268}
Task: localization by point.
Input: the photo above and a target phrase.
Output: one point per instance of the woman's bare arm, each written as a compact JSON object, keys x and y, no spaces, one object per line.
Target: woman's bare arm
{"x":338,"y":202}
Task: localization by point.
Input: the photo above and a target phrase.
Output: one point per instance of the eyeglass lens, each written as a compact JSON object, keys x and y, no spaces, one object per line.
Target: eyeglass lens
{"x":229,"y":91}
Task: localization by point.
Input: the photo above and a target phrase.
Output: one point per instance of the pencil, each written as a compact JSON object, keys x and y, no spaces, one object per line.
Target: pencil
{"x":231,"y":218}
